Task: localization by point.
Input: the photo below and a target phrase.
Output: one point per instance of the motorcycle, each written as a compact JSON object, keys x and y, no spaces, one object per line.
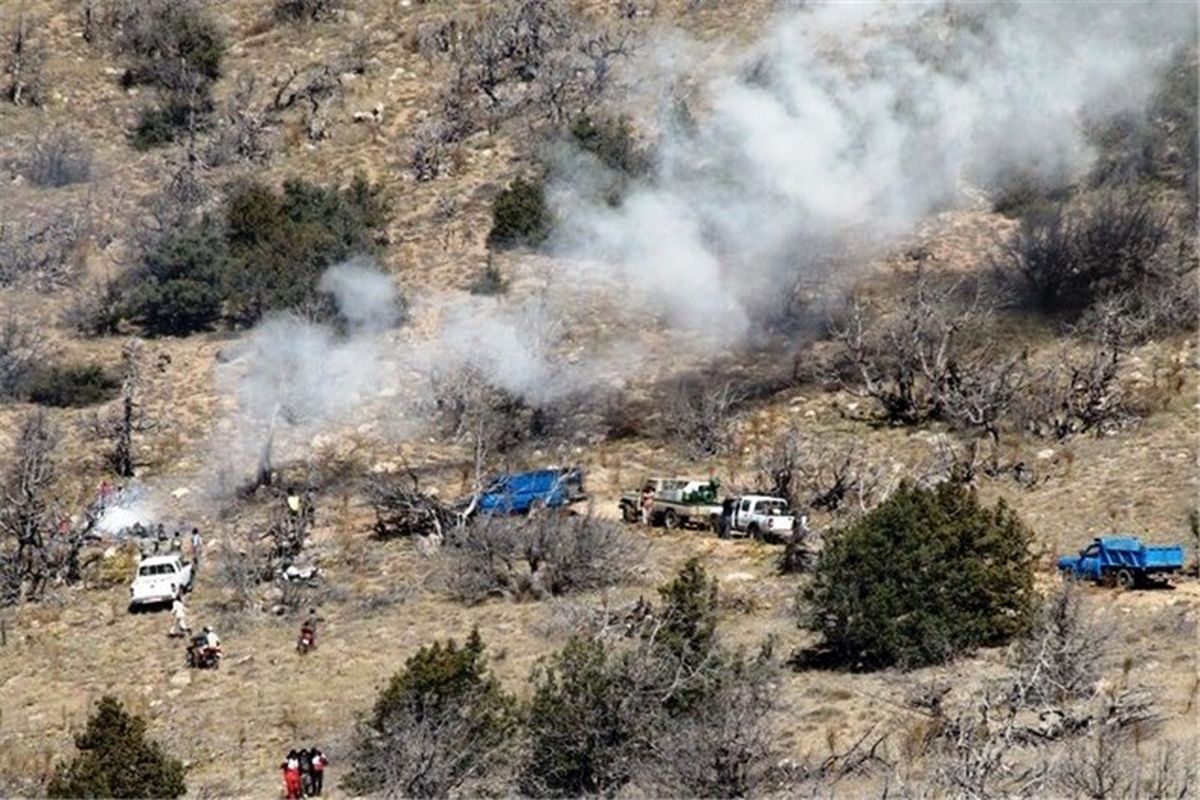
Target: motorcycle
{"x":201,"y":656}
{"x":307,"y":641}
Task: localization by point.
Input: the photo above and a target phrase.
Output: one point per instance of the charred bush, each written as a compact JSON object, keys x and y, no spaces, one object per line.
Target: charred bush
{"x":58,"y":159}
{"x":490,"y":281}
{"x":926,"y":575}
{"x":22,"y":352}
{"x":305,"y":10}
{"x":538,"y":556}
{"x":1066,"y":258}
{"x":402,"y":509}
{"x":22,"y":59}
{"x":612,"y":142}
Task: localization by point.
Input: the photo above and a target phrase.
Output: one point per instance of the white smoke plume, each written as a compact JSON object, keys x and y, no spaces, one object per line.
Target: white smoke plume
{"x":849,"y":122}
{"x":846,"y":124}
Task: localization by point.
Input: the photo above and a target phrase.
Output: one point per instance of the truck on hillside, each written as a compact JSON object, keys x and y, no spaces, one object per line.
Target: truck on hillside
{"x":525,"y":492}
{"x":761,"y":517}
{"x":675,"y":503}
{"x":1122,"y":561}
{"x":159,"y":579}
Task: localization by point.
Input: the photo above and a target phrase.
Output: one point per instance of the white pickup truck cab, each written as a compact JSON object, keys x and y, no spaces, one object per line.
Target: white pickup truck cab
{"x":762,"y":517}
{"x":159,"y":579}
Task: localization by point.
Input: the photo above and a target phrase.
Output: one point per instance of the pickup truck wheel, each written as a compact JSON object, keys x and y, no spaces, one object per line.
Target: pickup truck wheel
{"x":1126,"y":579}
{"x":670,"y":519}
{"x":630,"y":514}
{"x":755,"y":531}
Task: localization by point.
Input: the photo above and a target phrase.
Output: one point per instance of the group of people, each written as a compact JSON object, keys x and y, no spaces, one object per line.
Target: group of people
{"x":152,"y":545}
{"x":304,"y":773}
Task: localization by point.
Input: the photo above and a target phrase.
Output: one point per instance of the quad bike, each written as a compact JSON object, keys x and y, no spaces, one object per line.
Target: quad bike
{"x":201,"y":656}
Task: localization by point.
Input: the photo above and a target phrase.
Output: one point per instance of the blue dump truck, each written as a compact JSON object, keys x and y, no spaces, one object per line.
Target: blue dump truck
{"x":1122,"y":561}
{"x":523,"y":492}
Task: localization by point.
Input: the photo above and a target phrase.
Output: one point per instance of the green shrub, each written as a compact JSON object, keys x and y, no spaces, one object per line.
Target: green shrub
{"x":159,"y":125}
{"x":72,"y":386}
{"x":171,"y":41}
{"x":601,"y":718}
{"x":279,"y":244}
{"x":439,"y":722}
{"x":584,"y":723}
{"x":117,"y":760}
{"x":520,"y":215}
{"x":611,"y":141}
{"x":264,"y":252}
{"x":928,"y":574}
{"x":490,"y":281}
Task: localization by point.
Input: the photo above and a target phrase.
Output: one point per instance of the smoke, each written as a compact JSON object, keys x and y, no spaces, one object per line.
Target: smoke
{"x":842,"y":128}
{"x":845,"y":125}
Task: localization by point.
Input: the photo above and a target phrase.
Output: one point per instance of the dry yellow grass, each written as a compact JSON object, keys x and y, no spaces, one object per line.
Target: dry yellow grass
{"x":231,"y":726}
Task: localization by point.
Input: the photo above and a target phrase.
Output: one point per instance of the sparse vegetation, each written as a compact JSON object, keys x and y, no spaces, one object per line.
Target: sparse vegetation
{"x":72,"y":386}
{"x":538,"y":556}
{"x":926,"y":575}
{"x":58,"y":159}
{"x":116,"y":759}
{"x":175,"y":47}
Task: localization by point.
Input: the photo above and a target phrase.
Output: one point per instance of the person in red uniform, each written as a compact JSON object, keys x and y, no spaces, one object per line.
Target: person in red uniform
{"x":291,"y":775}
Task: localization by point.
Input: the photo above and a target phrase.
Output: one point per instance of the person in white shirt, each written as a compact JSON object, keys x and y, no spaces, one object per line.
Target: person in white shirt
{"x":179,"y":614}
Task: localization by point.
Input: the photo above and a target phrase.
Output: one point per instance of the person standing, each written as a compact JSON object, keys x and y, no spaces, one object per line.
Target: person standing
{"x":179,"y":614}
{"x":305,"y":756}
{"x":647,"y":503}
{"x":197,"y":548}
{"x":319,"y":762}
{"x":291,"y":775}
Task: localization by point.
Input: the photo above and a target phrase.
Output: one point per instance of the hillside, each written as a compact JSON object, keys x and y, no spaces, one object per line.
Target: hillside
{"x":794,"y":248}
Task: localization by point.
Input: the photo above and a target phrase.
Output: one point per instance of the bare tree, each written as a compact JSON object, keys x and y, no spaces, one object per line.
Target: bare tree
{"x":242,"y":129}
{"x":834,"y":477}
{"x":36,"y":545}
{"x":1111,"y":763}
{"x":1080,"y":392}
{"x":22,"y":59}
{"x":699,"y":414}
{"x":122,"y":455}
{"x":926,"y":359}
{"x":23,"y":350}
{"x":43,"y":252}
{"x":724,"y":747}
{"x":1059,"y":661}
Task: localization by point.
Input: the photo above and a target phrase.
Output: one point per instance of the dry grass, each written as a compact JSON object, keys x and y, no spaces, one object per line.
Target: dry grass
{"x":231,"y":726}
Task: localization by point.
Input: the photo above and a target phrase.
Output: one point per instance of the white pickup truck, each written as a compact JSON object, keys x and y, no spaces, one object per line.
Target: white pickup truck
{"x":762,"y":517}
{"x":159,"y":579}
